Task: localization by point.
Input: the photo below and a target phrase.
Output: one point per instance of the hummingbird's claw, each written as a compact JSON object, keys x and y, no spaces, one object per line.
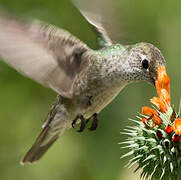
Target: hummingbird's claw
{"x":74,"y":121}
{"x":94,"y":125}
{"x":83,"y":123}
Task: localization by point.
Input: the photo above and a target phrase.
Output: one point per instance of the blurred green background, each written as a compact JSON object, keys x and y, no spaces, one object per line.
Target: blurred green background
{"x":24,"y":103}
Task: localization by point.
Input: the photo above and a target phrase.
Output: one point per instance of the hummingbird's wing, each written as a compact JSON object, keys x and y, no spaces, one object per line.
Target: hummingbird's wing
{"x":42,"y":52}
{"x":95,"y":21}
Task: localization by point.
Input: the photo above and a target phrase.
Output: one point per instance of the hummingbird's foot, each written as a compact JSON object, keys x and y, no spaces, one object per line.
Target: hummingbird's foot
{"x":83,"y":123}
{"x":94,"y":125}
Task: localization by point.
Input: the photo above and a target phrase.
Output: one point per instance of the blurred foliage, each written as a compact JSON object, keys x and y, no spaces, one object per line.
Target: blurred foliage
{"x":24,"y":103}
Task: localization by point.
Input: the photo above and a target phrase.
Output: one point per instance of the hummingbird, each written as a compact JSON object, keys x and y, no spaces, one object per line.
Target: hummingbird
{"x":85,"y":80}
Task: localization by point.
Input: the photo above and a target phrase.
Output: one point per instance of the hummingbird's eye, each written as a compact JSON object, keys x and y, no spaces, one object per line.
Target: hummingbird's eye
{"x":145,"y":64}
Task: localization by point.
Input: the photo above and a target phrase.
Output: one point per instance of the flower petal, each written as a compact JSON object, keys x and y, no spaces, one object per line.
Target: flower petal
{"x":159,"y":103}
{"x":153,"y":115}
{"x":149,"y":111}
{"x":165,"y":96}
{"x":177,"y":126}
{"x":163,"y":81}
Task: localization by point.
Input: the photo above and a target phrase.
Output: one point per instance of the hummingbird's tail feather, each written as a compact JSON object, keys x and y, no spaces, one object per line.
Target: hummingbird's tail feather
{"x":39,"y":148}
{"x":56,"y":123}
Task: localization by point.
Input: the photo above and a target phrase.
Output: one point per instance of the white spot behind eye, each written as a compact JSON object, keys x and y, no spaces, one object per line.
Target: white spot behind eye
{"x":143,"y":57}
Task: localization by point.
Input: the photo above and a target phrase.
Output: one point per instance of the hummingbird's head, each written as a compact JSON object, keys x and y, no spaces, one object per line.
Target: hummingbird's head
{"x":144,"y":60}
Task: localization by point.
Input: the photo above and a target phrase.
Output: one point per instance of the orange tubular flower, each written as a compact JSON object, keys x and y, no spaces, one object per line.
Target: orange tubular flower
{"x":149,"y":111}
{"x":163,"y":99}
{"x":163,"y":85}
{"x":163,"y":81}
{"x":159,"y":103}
{"x":165,"y":96}
{"x":153,"y":115}
{"x":177,"y":126}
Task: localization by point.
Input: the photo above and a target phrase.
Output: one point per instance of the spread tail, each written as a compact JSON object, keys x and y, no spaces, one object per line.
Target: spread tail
{"x":38,"y":149}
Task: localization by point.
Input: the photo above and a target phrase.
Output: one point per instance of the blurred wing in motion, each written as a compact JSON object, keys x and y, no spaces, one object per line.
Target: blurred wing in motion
{"x":42,"y":52}
{"x":104,"y":16}
{"x":95,"y":21}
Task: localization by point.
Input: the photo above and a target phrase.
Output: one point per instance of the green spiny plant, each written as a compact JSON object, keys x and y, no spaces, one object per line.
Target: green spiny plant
{"x":155,"y":150}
